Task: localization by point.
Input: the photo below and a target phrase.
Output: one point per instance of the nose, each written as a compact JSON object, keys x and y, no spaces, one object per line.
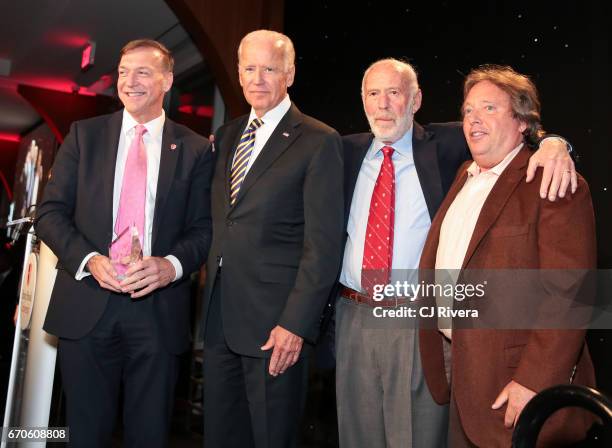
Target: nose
{"x":383,"y":101}
{"x":131,"y":79}
{"x":258,"y":75}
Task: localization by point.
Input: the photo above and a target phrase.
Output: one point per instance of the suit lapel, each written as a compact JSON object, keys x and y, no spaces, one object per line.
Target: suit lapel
{"x":283,"y":136}
{"x":170,"y":151}
{"x":354,"y":154}
{"x":428,"y":259}
{"x":426,"y":162}
{"x":496,"y":201}
{"x":110,"y":145}
{"x":228,"y":149}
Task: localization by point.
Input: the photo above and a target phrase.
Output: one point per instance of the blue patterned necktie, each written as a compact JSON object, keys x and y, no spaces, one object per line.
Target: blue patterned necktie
{"x":241,"y":158}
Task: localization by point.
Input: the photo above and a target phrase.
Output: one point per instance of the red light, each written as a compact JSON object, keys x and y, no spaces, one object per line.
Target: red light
{"x":199,"y":111}
{"x":66,"y":38}
{"x":87,"y":57}
{"x":5,"y":136}
{"x":186,"y":109}
{"x":204,"y":111}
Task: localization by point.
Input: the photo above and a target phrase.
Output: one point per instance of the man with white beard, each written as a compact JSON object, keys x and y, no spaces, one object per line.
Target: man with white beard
{"x":395,"y":180}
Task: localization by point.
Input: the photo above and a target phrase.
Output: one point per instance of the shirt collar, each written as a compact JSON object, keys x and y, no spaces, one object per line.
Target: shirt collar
{"x":154,"y":127}
{"x":403,"y":146}
{"x":274,"y":115}
{"x":474,"y":169}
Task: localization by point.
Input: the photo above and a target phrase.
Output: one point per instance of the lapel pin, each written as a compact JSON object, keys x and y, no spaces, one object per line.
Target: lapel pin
{"x":285,"y":134}
{"x":172,"y":147}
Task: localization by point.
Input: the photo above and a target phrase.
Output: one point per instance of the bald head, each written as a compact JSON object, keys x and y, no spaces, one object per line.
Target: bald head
{"x":391,"y":96}
{"x":405,"y":70}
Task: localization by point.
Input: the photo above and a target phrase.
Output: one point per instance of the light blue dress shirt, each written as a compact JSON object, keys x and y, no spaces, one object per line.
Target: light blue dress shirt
{"x":412,"y":219}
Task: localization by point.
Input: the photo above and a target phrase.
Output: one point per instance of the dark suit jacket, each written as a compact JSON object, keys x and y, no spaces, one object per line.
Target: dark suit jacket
{"x":75,"y":219}
{"x":515,"y":230}
{"x":281,"y":241}
{"x":438,"y":149}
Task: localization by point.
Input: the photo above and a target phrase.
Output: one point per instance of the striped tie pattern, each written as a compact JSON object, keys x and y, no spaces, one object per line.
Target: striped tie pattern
{"x":241,"y":158}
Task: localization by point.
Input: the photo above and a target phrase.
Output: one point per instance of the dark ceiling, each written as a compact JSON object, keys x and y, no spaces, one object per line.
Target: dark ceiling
{"x":41,"y":44}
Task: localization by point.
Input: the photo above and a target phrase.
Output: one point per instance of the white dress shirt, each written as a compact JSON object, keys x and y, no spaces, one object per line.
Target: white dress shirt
{"x":270,"y":121}
{"x":412,"y":219}
{"x":152,"y":141}
{"x":262,"y":134}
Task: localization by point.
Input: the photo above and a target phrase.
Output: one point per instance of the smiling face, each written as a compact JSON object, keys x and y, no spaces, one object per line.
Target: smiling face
{"x":143,"y":80}
{"x":263,"y":72}
{"x":389,"y":102}
{"x":489,"y":124}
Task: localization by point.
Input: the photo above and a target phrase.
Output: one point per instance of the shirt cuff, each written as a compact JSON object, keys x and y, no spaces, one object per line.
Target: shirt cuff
{"x":178,"y":269}
{"x":81,"y":273}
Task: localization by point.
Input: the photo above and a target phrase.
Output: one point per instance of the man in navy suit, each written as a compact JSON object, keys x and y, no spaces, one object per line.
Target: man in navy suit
{"x":382,"y":398}
{"x":277,"y":215}
{"x":126,"y":333}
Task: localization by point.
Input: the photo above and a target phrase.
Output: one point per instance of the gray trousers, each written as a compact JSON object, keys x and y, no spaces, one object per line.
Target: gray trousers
{"x":382,"y":398}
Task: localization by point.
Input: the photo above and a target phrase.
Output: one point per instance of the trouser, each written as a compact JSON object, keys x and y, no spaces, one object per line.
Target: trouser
{"x":381,"y":394}
{"x":244,"y":406}
{"x":124,"y":349}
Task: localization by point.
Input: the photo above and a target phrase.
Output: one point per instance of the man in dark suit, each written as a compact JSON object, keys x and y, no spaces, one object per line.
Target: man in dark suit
{"x":138,"y":167}
{"x":382,"y":397}
{"x":277,"y":207}
{"x":490,"y":221}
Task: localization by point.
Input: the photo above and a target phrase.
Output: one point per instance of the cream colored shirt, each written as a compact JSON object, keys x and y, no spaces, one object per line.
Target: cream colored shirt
{"x":460,"y":221}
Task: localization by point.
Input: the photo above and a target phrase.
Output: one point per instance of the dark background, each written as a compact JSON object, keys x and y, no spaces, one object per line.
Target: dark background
{"x":563,"y":46}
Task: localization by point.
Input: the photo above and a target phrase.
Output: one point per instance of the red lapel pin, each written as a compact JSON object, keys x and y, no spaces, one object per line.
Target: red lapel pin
{"x":172,"y":147}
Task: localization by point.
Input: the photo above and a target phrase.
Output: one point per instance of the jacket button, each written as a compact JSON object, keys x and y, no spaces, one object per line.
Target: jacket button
{"x":229,"y":223}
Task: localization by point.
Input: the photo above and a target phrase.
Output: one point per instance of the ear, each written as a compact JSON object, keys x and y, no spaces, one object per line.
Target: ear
{"x":290,"y":75}
{"x":168,"y":80}
{"x":522,"y":126}
{"x":239,"y":75}
{"x":417,"y":100}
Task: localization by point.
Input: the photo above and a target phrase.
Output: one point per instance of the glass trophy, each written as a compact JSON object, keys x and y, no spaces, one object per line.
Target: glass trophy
{"x":125,"y":250}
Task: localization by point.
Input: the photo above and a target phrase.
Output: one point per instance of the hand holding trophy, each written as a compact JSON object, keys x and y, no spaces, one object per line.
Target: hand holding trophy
{"x":125,"y":250}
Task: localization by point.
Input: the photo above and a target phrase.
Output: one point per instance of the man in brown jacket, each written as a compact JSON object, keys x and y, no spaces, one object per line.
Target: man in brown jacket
{"x":490,"y":220}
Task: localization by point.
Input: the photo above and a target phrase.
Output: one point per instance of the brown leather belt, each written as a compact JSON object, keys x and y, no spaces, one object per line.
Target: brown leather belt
{"x":360,"y":297}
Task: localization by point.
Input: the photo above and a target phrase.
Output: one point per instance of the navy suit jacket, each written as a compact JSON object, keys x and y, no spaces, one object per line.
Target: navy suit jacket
{"x":281,"y":240}
{"x":75,"y":219}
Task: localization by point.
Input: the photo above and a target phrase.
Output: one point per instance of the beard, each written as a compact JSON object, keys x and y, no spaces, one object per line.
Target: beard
{"x":391,"y":134}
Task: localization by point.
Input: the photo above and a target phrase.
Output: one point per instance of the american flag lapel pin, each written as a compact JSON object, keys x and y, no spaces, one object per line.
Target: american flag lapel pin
{"x":172,"y":146}
{"x":285,"y":134}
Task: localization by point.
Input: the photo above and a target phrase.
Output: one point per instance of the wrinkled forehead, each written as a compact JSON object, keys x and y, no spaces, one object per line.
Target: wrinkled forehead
{"x":387,"y":77}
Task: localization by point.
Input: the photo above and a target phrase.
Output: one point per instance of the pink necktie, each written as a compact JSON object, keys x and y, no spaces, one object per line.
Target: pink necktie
{"x":131,"y":209}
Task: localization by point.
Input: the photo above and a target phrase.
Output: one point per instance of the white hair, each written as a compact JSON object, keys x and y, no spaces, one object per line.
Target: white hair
{"x":406,"y":70}
{"x":281,"y":42}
